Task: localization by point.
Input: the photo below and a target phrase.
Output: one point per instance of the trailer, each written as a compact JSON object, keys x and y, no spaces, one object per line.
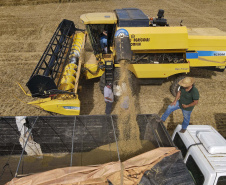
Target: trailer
{"x":31,"y":145}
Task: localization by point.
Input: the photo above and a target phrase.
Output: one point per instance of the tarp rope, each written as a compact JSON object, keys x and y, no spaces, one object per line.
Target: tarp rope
{"x":36,"y":133}
{"x":25,"y":146}
{"x":18,"y":133}
{"x":115,"y":138}
{"x":72,"y":145}
{"x":89,"y":133}
{"x":109,"y":139}
{"x":56,"y":134}
{"x":152,"y":130}
{"x":7,"y":163}
{"x":122,"y":167}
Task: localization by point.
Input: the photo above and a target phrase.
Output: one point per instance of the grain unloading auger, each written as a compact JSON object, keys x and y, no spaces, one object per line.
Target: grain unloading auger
{"x":55,"y":78}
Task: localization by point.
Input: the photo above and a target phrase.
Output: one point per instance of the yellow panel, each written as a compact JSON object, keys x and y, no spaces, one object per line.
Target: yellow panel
{"x":64,"y":107}
{"x":99,"y":18}
{"x":207,"y":43}
{"x":208,"y":61}
{"x":93,"y":68}
{"x":158,"y":38}
{"x":158,"y":70}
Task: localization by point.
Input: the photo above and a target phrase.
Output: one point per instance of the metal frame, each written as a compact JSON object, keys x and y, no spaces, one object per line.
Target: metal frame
{"x":53,"y":60}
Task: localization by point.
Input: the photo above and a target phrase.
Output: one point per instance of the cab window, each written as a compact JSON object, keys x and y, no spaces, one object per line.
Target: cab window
{"x":195,"y":171}
{"x":95,"y":32}
{"x":180,"y":144}
{"x":221,"y":180}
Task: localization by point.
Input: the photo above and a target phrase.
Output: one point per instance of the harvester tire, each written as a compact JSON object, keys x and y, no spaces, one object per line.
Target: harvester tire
{"x":132,"y":81}
{"x":175,"y":86}
{"x":102,"y":83}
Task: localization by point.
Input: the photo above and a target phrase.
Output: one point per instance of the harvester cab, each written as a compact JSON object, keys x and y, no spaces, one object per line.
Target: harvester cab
{"x":155,"y":50}
{"x":96,"y":34}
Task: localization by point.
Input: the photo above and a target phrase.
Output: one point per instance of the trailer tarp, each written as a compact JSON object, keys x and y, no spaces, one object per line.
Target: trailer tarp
{"x":147,"y":168}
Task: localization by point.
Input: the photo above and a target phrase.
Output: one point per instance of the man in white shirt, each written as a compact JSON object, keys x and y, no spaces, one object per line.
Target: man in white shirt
{"x":108,"y":97}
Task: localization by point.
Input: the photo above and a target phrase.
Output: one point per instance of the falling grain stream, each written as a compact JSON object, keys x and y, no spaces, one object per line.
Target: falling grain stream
{"x":127,"y":124}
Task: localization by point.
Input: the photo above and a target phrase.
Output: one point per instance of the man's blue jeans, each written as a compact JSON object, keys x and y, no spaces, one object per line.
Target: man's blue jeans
{"x":186,"y":114}
{"x":103,"y":42}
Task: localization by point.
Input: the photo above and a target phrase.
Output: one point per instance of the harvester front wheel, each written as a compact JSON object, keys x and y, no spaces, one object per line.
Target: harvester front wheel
{"x":174,"y":88}
{"x":102,"y":83}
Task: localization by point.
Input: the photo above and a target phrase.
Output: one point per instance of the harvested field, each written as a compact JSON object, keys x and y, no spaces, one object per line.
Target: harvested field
{"x":25,"y":31}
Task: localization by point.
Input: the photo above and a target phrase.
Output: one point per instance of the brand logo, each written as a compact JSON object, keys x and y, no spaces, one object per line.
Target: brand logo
{"x":71,"y":108}
{"x":219,"y":54}
{"x":121,"y":33}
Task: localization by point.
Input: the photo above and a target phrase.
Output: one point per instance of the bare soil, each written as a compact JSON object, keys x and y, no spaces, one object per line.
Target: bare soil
{"x":25,"y":31}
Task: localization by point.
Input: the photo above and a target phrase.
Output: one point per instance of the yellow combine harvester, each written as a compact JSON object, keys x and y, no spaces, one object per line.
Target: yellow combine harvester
{"x":153,"y":49}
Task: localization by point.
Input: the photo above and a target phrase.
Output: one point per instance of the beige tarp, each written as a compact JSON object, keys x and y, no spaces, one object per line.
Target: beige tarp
{"x":132,"y":171}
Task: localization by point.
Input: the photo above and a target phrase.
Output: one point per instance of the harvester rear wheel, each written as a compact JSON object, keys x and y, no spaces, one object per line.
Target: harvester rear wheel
{"x":175,"y":86}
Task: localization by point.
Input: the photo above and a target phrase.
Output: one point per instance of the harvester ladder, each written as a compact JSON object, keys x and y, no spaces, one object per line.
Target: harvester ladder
{"x":109,"y":72}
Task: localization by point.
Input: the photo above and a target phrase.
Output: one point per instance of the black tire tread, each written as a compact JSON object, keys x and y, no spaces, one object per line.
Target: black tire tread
{"x":174,"y":86}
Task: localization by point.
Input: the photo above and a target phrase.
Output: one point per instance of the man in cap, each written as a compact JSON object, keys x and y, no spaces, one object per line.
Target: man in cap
{"x":186,"y":99}
{"x":108,"y":97}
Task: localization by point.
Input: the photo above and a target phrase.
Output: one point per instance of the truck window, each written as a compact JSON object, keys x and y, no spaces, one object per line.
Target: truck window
{"x":195,"y":171}
{"x":180,"y":144}
{"x":221,"y":180}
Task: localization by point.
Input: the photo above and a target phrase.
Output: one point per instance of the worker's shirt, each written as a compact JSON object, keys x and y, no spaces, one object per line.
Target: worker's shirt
{"x":108,"y":93}
{"x":188,"y":97}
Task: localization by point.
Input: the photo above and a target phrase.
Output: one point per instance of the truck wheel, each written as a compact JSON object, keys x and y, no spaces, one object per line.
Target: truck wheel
{"x":132,"y":81}
{"x":175,"y":86}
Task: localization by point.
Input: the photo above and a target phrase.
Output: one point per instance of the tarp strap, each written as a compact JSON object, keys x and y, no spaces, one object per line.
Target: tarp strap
{"x":3,"y":170}
{"x":121,"y":179}
{"x":72,"y":145}
{"x":56,"y":134}
{"x":25,"y":146}
{"x":89,"y":133}
{"x":7,"y":163}
{"x":115,"y":137}
{"x":47,"y":146}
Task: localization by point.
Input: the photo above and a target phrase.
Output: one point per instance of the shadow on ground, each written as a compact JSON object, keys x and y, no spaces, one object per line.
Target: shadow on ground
{"x":86,"y":96}
{"x":220,"y":119}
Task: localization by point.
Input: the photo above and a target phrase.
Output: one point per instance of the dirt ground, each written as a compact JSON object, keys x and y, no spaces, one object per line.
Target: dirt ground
{"x":25,"y":31}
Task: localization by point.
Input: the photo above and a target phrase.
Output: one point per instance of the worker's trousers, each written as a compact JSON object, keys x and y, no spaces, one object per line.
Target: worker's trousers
{"x":108,"y":107}
{"x":186,"y":114}
{"x":103,"y":42}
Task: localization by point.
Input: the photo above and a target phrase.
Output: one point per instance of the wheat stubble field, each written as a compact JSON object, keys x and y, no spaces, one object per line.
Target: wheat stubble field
{"x":26,"y":28}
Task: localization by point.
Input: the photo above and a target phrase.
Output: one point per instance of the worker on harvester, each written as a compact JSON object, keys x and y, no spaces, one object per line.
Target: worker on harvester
{"x":103,"y":41}
{"x":108,"y":97}
{"x":186,"y":99}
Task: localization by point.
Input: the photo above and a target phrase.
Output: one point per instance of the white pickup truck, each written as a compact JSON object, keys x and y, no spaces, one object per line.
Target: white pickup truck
{"x":204,"y":153}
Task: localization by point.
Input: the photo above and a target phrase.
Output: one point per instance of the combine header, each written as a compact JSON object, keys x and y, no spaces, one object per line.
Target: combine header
{"x":56,"y":76}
